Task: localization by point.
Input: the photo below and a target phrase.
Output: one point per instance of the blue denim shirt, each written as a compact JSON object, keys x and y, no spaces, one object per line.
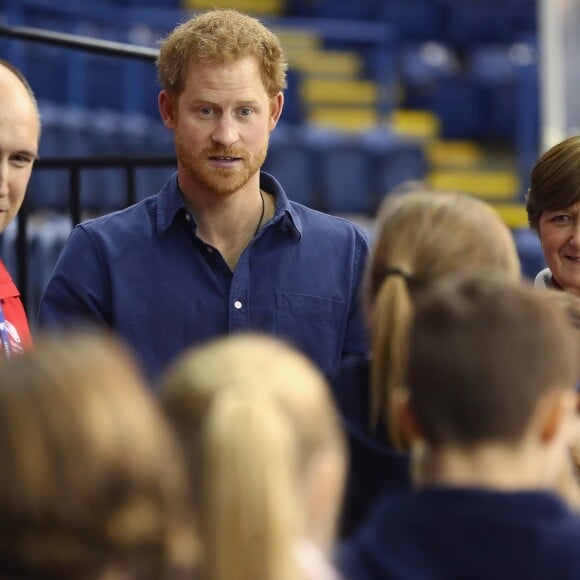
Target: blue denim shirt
{"x":144,"y":273}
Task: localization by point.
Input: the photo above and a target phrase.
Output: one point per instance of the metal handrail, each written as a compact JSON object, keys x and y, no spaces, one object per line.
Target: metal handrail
{"x":75,"y":165}
{"x":86,"y":43}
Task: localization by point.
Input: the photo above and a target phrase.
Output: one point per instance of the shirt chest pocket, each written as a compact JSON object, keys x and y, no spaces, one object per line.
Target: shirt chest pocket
{"x":313,"y":324}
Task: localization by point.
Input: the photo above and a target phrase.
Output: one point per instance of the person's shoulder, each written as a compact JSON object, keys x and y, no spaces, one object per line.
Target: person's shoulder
{"x":543,"y":279}
{"x":391,"y":513}
{"x":133,"y":216}
{"x":326,"y":222}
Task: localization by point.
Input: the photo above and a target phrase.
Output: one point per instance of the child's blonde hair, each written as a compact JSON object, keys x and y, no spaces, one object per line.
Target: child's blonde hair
{"x":420,"y":237}
{"x":256,"y":419}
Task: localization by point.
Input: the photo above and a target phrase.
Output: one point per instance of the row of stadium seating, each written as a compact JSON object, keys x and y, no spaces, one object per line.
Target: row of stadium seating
{"x":473,"y":89}
{"x":329,"y":170}
{"x":454,"y":22}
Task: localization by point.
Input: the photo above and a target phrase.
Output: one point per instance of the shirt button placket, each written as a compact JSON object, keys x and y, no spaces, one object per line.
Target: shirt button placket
{"x":239,"y":318}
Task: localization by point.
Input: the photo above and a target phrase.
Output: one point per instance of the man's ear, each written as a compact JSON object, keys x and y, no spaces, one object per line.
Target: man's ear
{"x":407,"y":419}
{"x":276,"y":106}
{"x":554,"y":412}
{"x":167,"y":109}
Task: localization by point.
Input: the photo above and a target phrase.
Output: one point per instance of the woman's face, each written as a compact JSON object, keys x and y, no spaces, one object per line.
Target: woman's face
{"x":559,"y":232}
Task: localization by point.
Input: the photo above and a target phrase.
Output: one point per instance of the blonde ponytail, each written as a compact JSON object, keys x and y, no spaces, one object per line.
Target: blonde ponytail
{"x":252,"y":515}
{"x":265,"y":453}
{"x":389,"y":332}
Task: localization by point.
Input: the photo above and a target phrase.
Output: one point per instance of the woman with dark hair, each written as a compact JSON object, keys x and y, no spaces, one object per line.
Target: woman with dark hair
{"x":553,"y":206}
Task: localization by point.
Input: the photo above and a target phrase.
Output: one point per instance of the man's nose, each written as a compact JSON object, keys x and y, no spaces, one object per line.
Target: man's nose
{"x":225,"y":132}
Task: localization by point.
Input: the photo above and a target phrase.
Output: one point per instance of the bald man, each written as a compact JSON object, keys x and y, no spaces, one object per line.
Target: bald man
{"x":19,"y":138}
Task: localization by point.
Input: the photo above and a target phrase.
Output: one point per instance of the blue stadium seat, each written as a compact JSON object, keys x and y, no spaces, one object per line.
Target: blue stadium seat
{"x":150,"y":180}
{"x":498,"y":72}
{"x":413,"y":20}
{"x":428,"y":62}
{"x":48,"y":190}
{"x":340,"y":172}
{"x":173,"y":4}
{"x":65,"y":133}
{"x":105,"y":82}
{"x":46,"y":240}
{"x":528,"y":133}
{"x":291,"y":161}
{"x":524,"y":14}
{"x":530,"y":251}
{"x":347,"y":9}
{"x":46,"y":69}
{"x":294,"y":110}
{"x":490,"y":62}
{"x":422,"y":68}
{"x":103,"y":190}
{"x":469,"y":22}
{"x":345,"y":165}
{"x":8,"y":249}
{"x":393,"y":161}
{"x":458,"y":103}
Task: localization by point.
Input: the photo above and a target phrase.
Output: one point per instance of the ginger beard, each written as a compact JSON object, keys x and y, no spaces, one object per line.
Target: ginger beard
{"x":222,"y":181}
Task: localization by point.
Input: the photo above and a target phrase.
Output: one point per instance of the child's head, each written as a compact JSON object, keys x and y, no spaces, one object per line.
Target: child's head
{"x":422,"y":236}
{"x":484,"y":355}
{"x":265,"y":449}
{"x":92,"y":480}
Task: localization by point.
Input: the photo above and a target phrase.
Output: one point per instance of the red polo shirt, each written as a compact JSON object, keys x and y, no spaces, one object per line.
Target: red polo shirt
{"x":16,"y":321}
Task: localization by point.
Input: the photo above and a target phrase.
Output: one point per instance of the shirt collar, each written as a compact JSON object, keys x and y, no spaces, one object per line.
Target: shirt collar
{"x":170,"y":203}
{"x":284,"y":213}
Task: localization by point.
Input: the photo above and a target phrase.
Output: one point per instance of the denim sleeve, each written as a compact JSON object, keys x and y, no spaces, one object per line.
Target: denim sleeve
{"x":77,"y":293}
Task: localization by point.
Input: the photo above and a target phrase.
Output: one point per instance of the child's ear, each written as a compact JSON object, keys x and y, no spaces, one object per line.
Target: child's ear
{"x":554,"y":413}
{"x":407,"y":419}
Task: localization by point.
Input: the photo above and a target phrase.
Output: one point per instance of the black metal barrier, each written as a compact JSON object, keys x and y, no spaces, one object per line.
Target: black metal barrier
{"x":75,"y":166}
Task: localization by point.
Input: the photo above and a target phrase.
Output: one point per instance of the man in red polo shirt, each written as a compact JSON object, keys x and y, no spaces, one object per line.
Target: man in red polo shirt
{"x":19,"y":137}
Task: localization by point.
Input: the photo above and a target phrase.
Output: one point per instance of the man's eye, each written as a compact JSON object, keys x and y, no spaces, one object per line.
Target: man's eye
{"x":21,"y":160}
{"x":245,"y":111}
{"x":205,"y":111}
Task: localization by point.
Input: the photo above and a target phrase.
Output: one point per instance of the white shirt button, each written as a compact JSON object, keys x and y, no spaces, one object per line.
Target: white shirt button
{"x":187,"y":217}
{"x":209,"y":249}
{"x":237,"y":304}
